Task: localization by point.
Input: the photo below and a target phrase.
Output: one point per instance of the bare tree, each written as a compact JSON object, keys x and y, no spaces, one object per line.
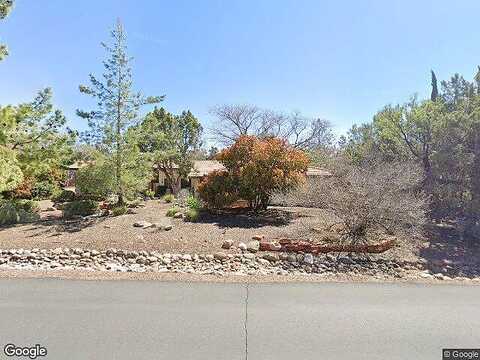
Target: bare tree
{"x":301,"y":132}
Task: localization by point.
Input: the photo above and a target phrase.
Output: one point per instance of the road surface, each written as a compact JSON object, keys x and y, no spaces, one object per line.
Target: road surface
{"x":155,"y":320}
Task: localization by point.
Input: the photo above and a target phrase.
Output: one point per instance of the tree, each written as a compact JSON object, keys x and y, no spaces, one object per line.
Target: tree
{"x":5,"y":8}
{"x":243,"y":119}
{"x":34,"y":141}
{"x":373,"y":199}
{"x":117,"y":108}
{"x":255,"y":170}
{"x":434,"y":94}
{"x":171,"y":141}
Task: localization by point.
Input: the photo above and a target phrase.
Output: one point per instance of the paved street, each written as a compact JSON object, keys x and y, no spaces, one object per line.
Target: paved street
{"x":155,"y":320}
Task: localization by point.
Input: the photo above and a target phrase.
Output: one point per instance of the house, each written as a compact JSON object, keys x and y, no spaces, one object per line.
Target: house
{"x":201,"y":168}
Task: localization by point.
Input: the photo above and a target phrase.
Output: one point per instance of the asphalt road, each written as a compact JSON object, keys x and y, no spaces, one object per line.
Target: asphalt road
{"x":155,"y":320}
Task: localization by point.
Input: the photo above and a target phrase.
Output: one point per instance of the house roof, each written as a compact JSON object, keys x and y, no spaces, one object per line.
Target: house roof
{"x":204,"y":167}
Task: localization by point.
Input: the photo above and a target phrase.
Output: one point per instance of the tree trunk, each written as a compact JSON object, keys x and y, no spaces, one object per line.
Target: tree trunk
{"x":176,"y":185}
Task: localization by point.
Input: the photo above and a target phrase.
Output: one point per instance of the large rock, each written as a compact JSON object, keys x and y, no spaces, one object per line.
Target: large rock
{"x":308,"y":259}
{"x":142,"y":224}
{"x":271,"y":257}
{"x":253,"y":246}
{"x":242,"y":246}
{"x":227,"y":244}
{"x":220,"y":256}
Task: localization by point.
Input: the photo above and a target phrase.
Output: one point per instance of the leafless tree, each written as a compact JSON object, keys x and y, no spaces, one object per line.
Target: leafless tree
{"x":301,"y":132}
{"x":376,"y":197}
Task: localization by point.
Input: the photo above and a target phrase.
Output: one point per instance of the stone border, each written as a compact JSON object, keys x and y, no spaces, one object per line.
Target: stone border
{"x":218,"y":264}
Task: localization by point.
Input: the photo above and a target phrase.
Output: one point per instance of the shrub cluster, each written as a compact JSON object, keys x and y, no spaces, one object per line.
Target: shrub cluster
{"x":80,"y":207}
{"x":18,"y":211}
{"x":168,"y":198}
{"x":173,"y":210}
{"x":63,"y":196}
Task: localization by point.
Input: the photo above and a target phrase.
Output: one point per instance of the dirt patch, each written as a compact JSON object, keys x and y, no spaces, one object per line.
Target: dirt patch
{"x":203,"y":237}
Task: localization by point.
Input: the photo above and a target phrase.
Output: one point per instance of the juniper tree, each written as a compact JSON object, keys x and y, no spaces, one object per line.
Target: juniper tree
{"x":117,"y":110}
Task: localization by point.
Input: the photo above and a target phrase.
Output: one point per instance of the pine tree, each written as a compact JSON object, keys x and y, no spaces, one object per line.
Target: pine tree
{"x":434,"y":94}
{"x":117,"y":108}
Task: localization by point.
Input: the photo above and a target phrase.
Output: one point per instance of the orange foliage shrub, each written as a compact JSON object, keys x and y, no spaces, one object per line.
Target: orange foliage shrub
{"x":255,"y":170}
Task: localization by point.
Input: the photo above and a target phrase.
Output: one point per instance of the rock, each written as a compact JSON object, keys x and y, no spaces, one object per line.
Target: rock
{"x":187,"y":257}
{"x":168,"y":227}
{"x":263,"y":262}
{"x":142,"y":224}
{"x":220,"y":256}
{"x":425,"y":275}
{"x":271,"y":257}
{"x":57,"y":251}
{"x":249,"y":256}
{"x":209,"y":257}
{"x":292,"y":258}
{"x":257,"y":237}
{"x":227,"y":244}
{"x":253,"y":246}
{"x":242,"y":246}
{"x":141,"y":260}
{"x":308,"y":259}
{"x":270,"y":246}
{"x":152,"y":259}
{"x":94,"y":253}
{"x":178,"y":215}
{"x":439,"y":276}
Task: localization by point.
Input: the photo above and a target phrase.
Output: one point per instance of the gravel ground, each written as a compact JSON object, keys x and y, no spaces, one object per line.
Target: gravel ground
{"x":203,"y":237}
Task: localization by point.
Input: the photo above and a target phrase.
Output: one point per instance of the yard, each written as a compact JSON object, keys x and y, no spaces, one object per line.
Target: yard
{"x":205,"y":236}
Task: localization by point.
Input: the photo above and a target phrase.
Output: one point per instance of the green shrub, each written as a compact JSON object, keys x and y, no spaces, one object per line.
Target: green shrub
{"x":95,"y":181}
{"x":150,"y":194}
{"x":191,"y":215}
{"x":168,"y":198}
{"x":119,"y":210}
{"x":193,"y":203}
{"x":63,"y":196}
{"x":18,"y":211}
{"x":80,"y":207}
{"x":173,"y":210}
{"x":43,"y":190}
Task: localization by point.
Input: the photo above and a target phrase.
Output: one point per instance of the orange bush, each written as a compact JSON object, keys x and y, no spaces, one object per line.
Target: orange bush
{"x":255,"y":169}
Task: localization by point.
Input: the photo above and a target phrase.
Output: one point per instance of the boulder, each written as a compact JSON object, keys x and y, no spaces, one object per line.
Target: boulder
{"x":227,"y":244}
{"x":308,"y":259}
{"x":257,"y":237}
{"x":142,"y":224}
{"x":271,"y":257}
{"x":242,"y":246}
{"x":220,"y":256}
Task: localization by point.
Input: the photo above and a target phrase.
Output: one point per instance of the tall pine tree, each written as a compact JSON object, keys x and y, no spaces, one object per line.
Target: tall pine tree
{"x":434,"y":94}
{"x":117,"y":107}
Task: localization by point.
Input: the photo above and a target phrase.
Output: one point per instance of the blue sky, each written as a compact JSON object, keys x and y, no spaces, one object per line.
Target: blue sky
{"x":339,"y":60}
